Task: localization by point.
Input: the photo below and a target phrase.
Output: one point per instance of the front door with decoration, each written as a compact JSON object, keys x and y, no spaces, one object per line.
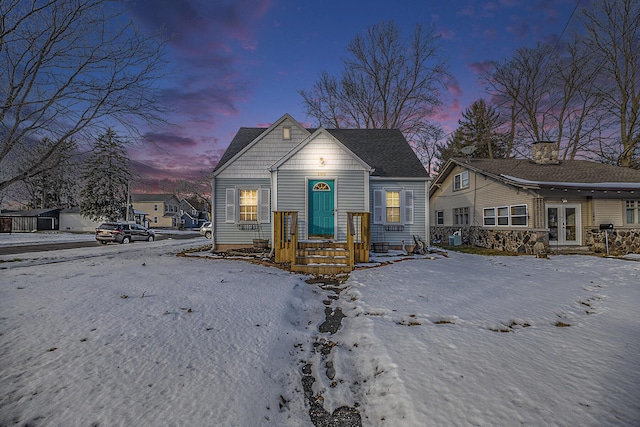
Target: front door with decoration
{"x":321,"y":209}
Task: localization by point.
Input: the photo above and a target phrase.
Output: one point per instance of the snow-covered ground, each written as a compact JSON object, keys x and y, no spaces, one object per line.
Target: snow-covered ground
{"x":123,"y":335}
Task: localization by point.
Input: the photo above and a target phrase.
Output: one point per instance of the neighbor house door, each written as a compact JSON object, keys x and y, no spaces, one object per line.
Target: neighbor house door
{"x":564,"y":224}
{"x":321,"y":209}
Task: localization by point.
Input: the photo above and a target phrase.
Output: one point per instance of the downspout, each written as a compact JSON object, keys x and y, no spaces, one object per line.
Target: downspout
{"x":274,"y":202}
{"x":213,"y":214}
{"x":427,"y":213}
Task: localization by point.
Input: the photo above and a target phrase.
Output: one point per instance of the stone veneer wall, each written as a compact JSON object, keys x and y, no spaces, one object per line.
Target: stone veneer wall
{"x":622,"y":241}
{"x":522,"y":240}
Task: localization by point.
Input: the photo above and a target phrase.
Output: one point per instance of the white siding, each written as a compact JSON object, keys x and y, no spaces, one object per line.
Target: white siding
{"x":418,"y":227}
{"x":321,"y":153}
{"x":228,"y":233}
{"x":254,"y":163}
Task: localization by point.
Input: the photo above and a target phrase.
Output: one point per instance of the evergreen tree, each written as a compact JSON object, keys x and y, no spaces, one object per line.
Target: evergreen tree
{"x":479,"y":131}
{"x":57,"y":186}
{"x":106,"y":176}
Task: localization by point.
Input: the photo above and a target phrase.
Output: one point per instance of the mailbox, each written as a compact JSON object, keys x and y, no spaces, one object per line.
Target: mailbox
{"x":606,"y":226}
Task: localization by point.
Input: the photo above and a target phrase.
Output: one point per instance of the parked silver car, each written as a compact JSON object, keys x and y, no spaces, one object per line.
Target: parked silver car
{"x":205,"y":230}
{"x":123,"y":232}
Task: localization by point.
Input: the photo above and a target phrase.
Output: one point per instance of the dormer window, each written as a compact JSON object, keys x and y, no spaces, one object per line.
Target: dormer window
{"x":286,"y":133}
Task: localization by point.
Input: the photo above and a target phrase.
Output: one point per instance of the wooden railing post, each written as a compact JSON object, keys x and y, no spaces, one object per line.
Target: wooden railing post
{"x":294,"y":238}
{"x":351,"y":231}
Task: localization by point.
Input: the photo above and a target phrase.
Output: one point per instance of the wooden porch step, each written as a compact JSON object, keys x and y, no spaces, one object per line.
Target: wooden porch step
{"x":322,"y":268}
{"x":321,"y":244}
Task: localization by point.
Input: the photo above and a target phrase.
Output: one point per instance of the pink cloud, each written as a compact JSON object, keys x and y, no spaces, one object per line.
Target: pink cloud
{"x":480,"y":68}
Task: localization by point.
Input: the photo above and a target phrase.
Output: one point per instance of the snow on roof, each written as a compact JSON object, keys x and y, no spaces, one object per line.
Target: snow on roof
{"x":592,"y":185}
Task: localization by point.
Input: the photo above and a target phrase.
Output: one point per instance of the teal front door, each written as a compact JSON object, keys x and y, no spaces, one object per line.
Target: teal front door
{"x":321,"y":216}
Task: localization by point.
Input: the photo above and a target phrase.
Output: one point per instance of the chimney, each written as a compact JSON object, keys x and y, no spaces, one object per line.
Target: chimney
{"x":544,"y":153}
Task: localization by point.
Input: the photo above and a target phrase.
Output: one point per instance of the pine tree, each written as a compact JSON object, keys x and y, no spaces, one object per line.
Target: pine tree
{"x":106,"y":175}
{"x":57,"y":186}
{"x":480,"y":130}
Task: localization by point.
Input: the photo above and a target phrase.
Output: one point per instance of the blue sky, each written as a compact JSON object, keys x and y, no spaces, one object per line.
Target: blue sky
{"x":241,"y":62}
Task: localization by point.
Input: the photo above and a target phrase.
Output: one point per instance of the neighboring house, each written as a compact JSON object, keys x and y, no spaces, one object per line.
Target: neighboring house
{"x":192,"y":217}
{"x":162,"y":210}
{"x":30,"y":220}
{"x":72,"y":220}
{"x":510,"y":204}
{"x":321,"y":175}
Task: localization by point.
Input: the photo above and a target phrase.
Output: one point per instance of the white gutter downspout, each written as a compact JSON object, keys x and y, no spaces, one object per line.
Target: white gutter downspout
{"x":213,"y":214}
{"x":427,"y":209}
{"x":274,"y":201}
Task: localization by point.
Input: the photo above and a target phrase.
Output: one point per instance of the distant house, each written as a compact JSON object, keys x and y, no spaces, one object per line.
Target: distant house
{"x":72,"y":220}
{"x":192,"y":217}
{"x":318,"y":178}
{"x":510,"y":204}
{"x":30,"y":220}
{"x":162,"y":210}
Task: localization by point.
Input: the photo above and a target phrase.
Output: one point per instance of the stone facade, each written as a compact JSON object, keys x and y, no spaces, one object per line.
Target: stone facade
{"x":622,"y":241}
{"x":517,"y":240}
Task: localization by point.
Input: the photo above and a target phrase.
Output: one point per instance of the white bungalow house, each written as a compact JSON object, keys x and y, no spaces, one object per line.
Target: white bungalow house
{"x":511,"y":204}
{"x":326,"y":183}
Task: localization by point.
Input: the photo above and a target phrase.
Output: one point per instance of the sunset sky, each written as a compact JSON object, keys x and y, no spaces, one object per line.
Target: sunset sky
{"x":240,"y":63}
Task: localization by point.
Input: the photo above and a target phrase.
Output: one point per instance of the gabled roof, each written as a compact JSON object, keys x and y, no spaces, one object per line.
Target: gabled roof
{"x":310,"y":138}
{"x":384,"y":150}
{"x":141,"y":198}
{"x":247,"y":137}
{"x":576,"y":174}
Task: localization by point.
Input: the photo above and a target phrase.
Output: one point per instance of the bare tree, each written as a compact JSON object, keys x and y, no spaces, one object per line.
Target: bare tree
{"x":387,"y":82}
{"x":613,"y":40}
{"x":69,"y":68}
{"x":425,"y":144}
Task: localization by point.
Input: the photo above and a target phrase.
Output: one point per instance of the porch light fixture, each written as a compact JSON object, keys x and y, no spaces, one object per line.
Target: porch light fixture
{"x":321,"y":161}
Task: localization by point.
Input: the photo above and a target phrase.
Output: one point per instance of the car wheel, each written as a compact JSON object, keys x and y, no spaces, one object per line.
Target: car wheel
{"x":102,"y":242}
{"x":207,"y":234}
{"x":150,"y":238}
{"x":126,"y":239}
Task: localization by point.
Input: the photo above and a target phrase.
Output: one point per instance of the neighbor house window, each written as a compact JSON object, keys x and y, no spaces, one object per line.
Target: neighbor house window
{"x":461,"y":180}
{"x":506,"y":215}
{"x":247,"y":205}
{"x":286,"y":132}
{"x":439,"y":217}
{"x":633,"y":211}
{"x":489,"y":216}
{"x":519,"y":215}
{"x":503,"y":215}
{"x":393,"y":206}
{"x":155,"y":219}
{"x":155,"y":207}
{"x":461,"y":216}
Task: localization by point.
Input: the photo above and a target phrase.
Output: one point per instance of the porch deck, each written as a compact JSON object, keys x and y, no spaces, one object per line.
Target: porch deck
{"x":321,"y":257}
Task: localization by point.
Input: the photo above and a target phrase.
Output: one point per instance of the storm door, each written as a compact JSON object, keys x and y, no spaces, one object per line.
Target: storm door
{"x":321,"y":209}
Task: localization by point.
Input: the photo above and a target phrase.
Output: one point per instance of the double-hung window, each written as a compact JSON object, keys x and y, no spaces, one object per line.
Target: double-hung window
{"x":461,"y":180}
{"x":489,"y":215}
{"x":461,"y":216}
{"x":632,"y":209}
{"x":245,"y":205}
{"x":439,"y":217}
{"x":393,"y":206}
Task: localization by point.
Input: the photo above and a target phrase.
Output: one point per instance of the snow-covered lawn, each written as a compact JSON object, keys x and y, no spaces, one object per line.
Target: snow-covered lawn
{"x":128,"y":335}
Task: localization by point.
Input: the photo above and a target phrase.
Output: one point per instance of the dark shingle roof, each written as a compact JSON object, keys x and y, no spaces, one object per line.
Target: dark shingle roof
{"x":385,"y":150}
{"x":567,"y":171}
